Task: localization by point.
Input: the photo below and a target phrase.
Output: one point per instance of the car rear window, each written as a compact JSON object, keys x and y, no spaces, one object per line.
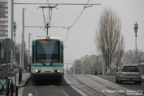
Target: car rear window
{"x":130,"y":69}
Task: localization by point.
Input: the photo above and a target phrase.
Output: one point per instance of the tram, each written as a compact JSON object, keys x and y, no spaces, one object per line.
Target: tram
{"x":47,"y":62}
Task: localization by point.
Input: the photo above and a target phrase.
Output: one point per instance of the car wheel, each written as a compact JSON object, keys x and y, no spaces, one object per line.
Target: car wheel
{"x":139,"y":82}
{"x":120,"y":81}
{"x":117,"y":81}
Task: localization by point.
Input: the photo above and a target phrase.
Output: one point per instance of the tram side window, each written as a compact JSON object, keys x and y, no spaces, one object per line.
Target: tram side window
{"x":0,"y":50}
{"x":33,"y":54}
{"x":61,"y":54}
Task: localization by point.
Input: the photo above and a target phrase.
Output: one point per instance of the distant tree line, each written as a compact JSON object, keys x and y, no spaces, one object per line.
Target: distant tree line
{"x":92,"y":64}
{"x":87,"y":65}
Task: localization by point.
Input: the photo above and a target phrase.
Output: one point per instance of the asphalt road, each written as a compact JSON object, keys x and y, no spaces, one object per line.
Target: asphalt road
{"x":128,"y":85}
{"x":86,"y":83}
{"x":51,"y":89}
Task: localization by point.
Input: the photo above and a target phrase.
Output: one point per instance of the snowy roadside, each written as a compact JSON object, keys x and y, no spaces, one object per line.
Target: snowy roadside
{"x":91,"y":85}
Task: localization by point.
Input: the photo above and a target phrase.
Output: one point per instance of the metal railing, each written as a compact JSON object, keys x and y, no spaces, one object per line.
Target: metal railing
{"x":4,"y":69}
{"x":10,"y":87}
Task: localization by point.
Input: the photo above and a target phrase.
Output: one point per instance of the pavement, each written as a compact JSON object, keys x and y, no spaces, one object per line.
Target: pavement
{"x":25,"y":77}
{"x":15,"y":80}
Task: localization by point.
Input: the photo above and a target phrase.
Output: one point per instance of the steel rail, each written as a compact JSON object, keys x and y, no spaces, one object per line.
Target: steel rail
{"x":111,"y":88}
{"x":89,"y":88}
{"x":37,"y":91}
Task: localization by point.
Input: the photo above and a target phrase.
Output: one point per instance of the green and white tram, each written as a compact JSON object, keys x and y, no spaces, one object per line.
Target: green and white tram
{"x":47,"y":61}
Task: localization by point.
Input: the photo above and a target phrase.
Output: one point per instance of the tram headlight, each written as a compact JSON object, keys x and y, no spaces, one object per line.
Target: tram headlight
{"x":57,"y":70}
{"x":37,"y":70}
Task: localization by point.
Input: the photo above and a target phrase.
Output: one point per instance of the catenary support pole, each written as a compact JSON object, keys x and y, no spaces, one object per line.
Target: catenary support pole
{"x":12,"y":19}
{"x":22,"y":53}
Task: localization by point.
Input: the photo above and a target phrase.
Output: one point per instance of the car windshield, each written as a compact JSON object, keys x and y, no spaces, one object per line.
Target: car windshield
{"x":130,"y":69}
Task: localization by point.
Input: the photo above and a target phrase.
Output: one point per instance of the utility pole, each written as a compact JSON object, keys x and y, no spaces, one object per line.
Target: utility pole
{"x":29,"y":46}
{"x":22,"y":49}
{"x":12,"y":27}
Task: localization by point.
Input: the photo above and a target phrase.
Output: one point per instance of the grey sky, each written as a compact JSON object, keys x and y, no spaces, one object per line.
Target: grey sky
{"x":81,"y":38}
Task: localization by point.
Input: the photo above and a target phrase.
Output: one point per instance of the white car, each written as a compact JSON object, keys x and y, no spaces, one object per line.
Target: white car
{"x":141,"y":67}
{"x":129,"y":73}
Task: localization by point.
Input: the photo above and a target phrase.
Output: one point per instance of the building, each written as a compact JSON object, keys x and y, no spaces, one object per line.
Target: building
{"x":3,"y":19}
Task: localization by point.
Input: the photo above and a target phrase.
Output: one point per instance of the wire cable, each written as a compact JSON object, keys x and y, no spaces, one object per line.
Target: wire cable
{"x":16,"y":3}
{"x":75,"y":21}
{"x":44,"y":19}
{"x":48,"y":10}
{"x":50,"y":16}
{"x":43,"y":16}
{"x":78,"y":17}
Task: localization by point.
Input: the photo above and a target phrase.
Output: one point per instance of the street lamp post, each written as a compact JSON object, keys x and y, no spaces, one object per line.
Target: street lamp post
{"x":135,"y":30}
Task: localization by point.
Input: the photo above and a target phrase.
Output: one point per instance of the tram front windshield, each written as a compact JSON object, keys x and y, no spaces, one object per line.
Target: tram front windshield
{"x":47,"y":52}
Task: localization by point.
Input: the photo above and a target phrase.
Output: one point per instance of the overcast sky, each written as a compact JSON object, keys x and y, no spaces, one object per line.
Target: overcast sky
{"x":80,"y":39}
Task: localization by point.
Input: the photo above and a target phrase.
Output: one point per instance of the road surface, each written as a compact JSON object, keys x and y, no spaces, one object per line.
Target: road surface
{"x":128,"y":85}
{"x":83,"y":85}
{"x":49,"y":89}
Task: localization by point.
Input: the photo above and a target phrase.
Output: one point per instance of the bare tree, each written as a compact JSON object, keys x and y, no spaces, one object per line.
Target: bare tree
{"x":85,"y":65}
{"x":119,"y":53}
{"x":109,"y":39}
{"x":77,"y":67}
{"x":128,"y":57}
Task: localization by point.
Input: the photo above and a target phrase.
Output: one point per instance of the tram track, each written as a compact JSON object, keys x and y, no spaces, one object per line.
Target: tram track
{"x":37,"y":91}
{"x":108,"y":87}
{"x":91,"y":89}
{"x":50,"y":89}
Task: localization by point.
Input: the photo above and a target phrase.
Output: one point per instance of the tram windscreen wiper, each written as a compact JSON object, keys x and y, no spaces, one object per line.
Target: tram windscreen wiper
{"x":43,"y":63}
{"x":51,"y":63}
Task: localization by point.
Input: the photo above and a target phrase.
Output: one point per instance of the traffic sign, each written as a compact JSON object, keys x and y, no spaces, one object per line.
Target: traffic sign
{"x":7,"y":44}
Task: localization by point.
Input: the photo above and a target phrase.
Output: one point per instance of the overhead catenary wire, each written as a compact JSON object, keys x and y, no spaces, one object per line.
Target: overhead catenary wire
{"x":53,"y":5}
{"x":75,"y":21}
{"x":16,"y":3}
{"x":50,"y":16}
{"x":78,"y":17}
{"x":47,"y":22}
{"x":43,"y":16}
{"x":64,"y":27}
{"x":47,"y":2}
{"x":49,"y":13}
